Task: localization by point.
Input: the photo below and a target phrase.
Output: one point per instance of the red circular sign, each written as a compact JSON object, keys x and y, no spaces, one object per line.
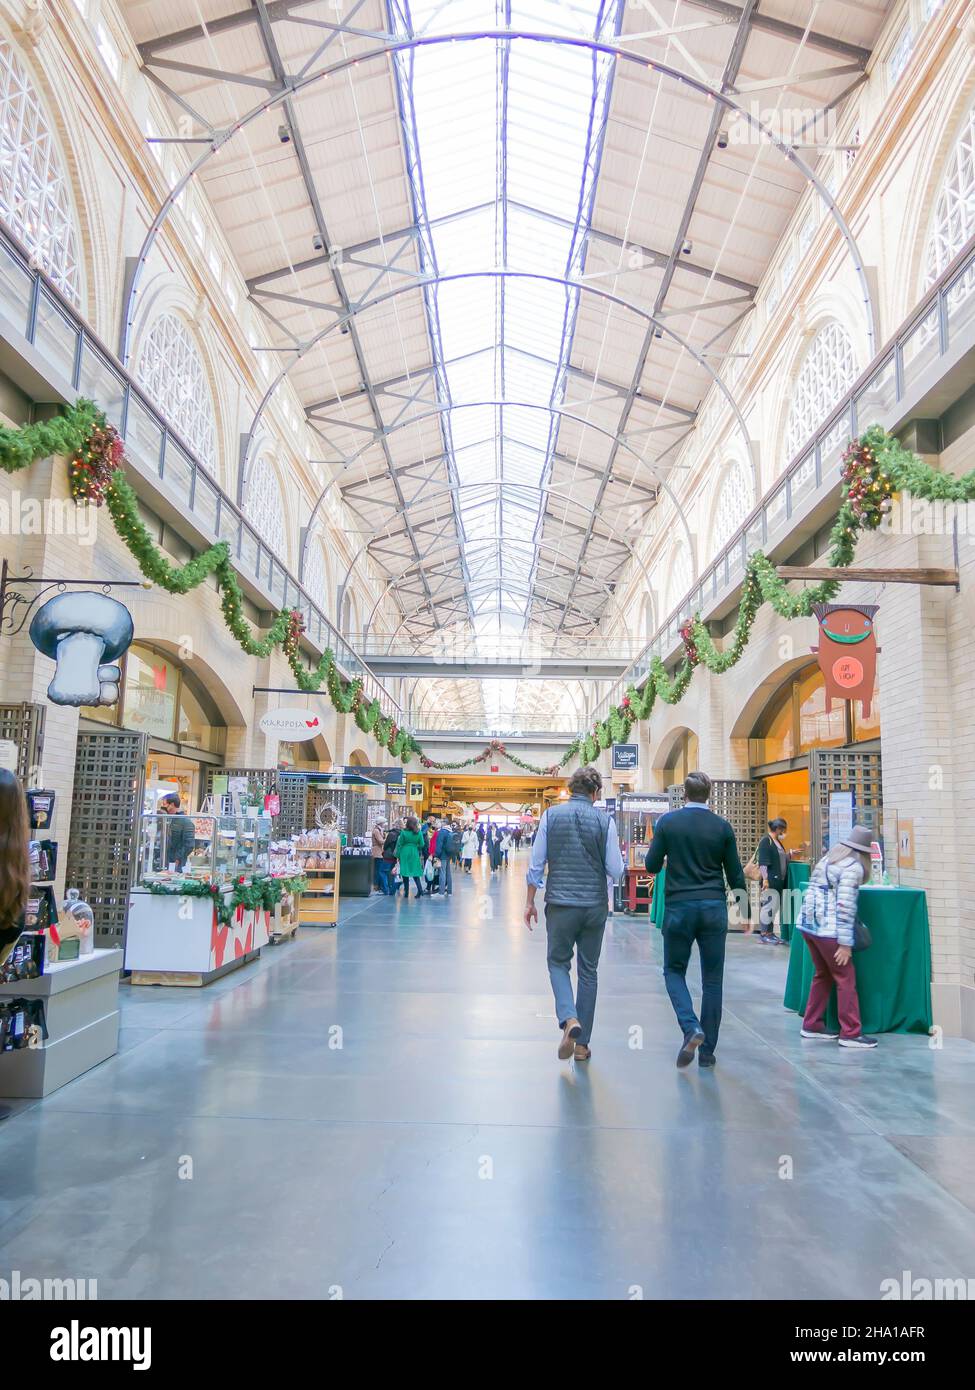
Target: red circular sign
{"x":847,"y":672}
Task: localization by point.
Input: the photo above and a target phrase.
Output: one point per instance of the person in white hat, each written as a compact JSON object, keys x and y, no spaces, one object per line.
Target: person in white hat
{"x":827,"y":920}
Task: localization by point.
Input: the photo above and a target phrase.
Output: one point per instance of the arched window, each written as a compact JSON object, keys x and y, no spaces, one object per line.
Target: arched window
{"x":954,"y":211}
{"x":315,"y":576}
{"x":735,"y":501}
{"x":264,"y":508}
{"x":34,"y":198}
{"x":828,"y":370}
{"x":172,"y":372}
{"x":678,"y":579}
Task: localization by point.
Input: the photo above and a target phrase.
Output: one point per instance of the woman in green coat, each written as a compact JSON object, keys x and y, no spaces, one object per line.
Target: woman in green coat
{"x":409,"y":852}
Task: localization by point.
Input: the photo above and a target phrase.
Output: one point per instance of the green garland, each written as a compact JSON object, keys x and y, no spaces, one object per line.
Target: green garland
{"x":261,"y":894}
{"x":875,"y":467}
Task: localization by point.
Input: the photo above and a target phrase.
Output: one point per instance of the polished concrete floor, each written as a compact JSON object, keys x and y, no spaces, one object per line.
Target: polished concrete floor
{"x":378,"y":1111}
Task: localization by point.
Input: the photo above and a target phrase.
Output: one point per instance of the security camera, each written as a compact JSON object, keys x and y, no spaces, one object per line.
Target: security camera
{"x":284,"y":134}
{"x":722,"y":140}
{"x":318,"y":241}
{"x":688,"y":247}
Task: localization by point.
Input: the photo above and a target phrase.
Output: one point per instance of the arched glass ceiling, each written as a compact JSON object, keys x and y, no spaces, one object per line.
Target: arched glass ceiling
{"x":510,"y":137}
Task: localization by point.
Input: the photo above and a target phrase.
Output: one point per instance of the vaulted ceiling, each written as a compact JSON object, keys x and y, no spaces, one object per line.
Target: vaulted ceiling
{"x":500,"y":272}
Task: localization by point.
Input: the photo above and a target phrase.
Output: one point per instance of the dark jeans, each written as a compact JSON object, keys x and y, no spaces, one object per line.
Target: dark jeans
{"x":706,"y":922}
{"x":383,"y":868}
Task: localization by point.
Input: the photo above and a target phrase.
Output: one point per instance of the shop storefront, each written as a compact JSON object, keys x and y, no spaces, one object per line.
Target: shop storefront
{"x":792,"y":726}
{"x":161,"y":698}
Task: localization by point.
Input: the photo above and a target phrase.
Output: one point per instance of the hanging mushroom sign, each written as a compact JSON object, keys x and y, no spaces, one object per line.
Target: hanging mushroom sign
{"x":85,"y":633}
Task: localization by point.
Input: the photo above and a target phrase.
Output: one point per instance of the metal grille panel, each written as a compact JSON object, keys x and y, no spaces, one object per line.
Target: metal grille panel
{"x":293,"y":791}
{"x":23,"y":726}
{"x":743,"y":803}
{"x":844,"y":770}
{"x":108,"y":782}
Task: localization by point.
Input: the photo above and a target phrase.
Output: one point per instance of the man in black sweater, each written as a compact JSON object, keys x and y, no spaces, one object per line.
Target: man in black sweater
{"x":700,"y":851}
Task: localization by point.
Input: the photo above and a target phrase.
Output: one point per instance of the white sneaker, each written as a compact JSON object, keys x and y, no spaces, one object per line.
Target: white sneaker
{"x":861,"y":1041}
{"x":820,"y":1035}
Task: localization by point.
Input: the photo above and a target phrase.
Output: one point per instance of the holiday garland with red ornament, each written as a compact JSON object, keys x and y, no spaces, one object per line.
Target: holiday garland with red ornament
{"x":874,"y":469}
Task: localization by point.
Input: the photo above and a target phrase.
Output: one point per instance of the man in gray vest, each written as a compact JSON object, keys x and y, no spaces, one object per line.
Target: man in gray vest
{"x":582,"y":850}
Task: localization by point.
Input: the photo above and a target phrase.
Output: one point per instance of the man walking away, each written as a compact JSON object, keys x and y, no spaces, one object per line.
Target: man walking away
{"x":582,"y":849}
{"x":700,"y":851}
{"x":448,"y":852}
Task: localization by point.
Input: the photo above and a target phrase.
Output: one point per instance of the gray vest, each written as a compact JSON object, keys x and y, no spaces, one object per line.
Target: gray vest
{"x":576,"y":851}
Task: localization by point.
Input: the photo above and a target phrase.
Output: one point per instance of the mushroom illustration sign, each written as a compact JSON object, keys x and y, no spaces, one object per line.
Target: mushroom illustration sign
{"x":85,"y":633}
{"x":847,"y":652}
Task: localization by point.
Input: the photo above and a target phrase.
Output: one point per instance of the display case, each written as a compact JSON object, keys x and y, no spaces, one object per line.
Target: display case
{"x":217,"y":848}
{"x":187,"y":867}
{"x":636,"y":815}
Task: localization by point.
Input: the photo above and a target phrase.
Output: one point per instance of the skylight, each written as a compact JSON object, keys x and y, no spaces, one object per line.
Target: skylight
{"x":509,"y":136}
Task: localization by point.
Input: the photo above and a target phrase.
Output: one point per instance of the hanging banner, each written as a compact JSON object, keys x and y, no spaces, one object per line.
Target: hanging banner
{"x":292,"y":725}
{"x":389,"y":776}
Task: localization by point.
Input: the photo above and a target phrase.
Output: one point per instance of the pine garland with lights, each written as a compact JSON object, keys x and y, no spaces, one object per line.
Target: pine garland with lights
{"x":874,"y":469}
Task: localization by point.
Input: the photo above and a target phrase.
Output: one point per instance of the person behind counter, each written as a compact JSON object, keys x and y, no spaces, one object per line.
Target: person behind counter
{"x":182,"y":831}
{"x":773,"y":864}
{"x":14,"y":869}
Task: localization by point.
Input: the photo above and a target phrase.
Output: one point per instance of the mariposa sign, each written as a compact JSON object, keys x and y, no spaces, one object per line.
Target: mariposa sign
{"x":291,"y":725}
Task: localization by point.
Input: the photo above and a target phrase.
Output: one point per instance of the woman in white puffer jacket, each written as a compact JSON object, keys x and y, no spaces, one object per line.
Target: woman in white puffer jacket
{"x":827,"y":920}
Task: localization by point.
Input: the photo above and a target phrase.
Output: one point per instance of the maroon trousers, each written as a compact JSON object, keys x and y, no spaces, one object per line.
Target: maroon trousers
{"x":822,"y":949}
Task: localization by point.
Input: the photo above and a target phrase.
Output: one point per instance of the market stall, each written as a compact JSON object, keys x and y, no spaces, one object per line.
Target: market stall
{"x":636,"y":815}
{"x":893,"y":974}
{"x":202,"y":897}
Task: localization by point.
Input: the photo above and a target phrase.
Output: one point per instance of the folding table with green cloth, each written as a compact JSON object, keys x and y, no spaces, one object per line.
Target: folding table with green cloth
{"x":893,"y":974}
{"x":795,"y":883}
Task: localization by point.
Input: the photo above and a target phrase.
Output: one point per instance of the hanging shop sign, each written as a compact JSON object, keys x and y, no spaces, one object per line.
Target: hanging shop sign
{"x":292,"y":725}
{"x":85,"y":633}
{"x":389,"y":776}
{"x":847,"y":652}
{"x":626,"y":757}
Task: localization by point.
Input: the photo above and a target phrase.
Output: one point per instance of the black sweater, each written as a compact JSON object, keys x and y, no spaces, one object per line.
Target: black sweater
{"x":700,"y":851}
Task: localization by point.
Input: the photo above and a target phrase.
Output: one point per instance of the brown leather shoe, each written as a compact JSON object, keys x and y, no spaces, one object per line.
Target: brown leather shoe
{"x":570,"y":1032}
{"x":582,"y":1052}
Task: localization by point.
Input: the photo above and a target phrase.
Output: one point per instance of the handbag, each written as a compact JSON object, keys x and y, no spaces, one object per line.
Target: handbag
{"x":752,"y":870}
{"x":861,"y":936}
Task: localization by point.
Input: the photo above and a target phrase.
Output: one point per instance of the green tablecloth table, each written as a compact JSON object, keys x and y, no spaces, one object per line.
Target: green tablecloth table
{"x":795,"y":883}
{"x":893,"y":974}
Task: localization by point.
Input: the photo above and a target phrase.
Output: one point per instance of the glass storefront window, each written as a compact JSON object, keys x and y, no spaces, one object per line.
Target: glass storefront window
{"x":817,"y":728}
{"x":684,"y":758}
{"x":796,"y":721}
{"x":151,"y":684}
{"x":194,"y":726}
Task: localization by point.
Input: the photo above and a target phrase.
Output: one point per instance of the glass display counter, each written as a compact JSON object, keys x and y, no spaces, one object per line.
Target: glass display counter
{"x":186,"y":925}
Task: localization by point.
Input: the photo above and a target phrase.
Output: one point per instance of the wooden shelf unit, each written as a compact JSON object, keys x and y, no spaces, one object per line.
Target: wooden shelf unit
{"x":319,"y":905}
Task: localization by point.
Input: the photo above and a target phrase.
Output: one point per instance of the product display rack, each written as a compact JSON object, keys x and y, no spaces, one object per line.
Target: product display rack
{"x":319,"y":903}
